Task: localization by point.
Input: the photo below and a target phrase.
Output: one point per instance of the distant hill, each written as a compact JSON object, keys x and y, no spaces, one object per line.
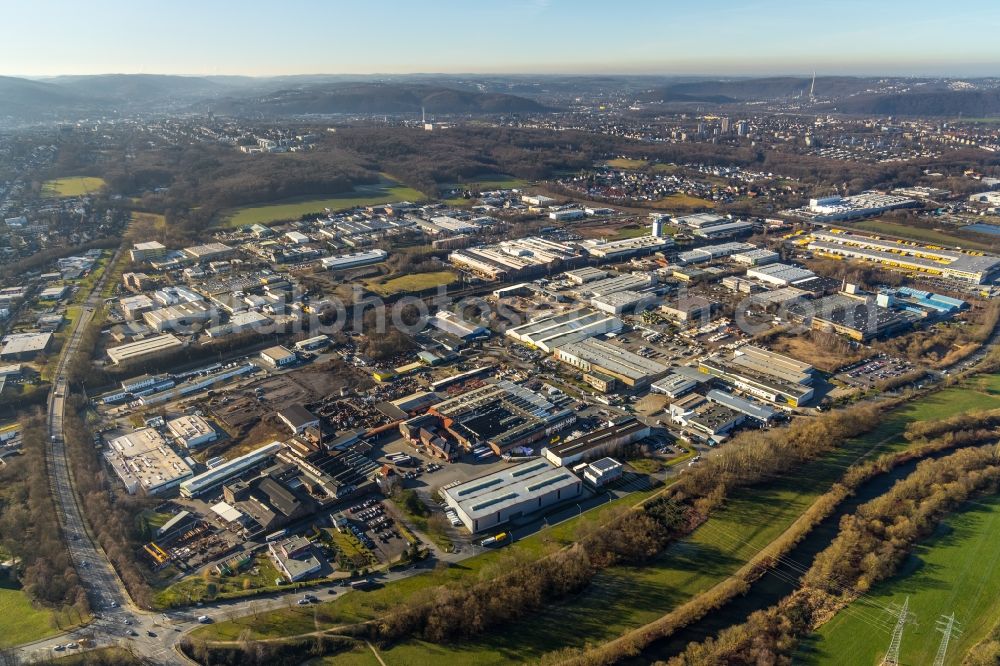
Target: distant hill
{"x":745,"y":90}
{"x":73,"y":97}
{"x":69,"y":98}
{"x":140,"y":88}
{"x":933,"y":103}
{"x":377,"y":98}
{"x":24,"y":98}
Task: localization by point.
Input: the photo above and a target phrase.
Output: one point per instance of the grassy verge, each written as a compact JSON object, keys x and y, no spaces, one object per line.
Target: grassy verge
{"x":419,"y":516}
{"x":956,"y":571}
{"x":108,"y":655}
{"x":361,"y":655}
{"x":352,"y":550}
{"x":20,"y":621}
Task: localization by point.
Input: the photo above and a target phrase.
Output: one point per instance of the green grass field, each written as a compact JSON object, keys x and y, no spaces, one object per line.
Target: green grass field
{"x":626,"y":232}
{"x":359,"y":656}
{"x":388,"y":191}
{"x":626,"y":163}
{"x":105,"y":655}
{"x":956,"y":571}
{"x":73,"y":186}
{"x":20,"y":622}
{"x":410,"y":283}
{"x":932,"y":236}
{"x":978,"y":394}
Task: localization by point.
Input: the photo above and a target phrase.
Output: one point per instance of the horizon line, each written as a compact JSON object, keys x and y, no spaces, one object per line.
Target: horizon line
{"x":763,"y":74}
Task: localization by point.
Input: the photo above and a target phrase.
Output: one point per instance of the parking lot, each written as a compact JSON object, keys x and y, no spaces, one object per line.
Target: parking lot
{"x":377,"y":531}
{"x":871,"y":371}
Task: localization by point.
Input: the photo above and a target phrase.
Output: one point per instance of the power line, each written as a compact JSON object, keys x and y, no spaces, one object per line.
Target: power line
{"x":947,"y":626}
{"x":892,"y":655}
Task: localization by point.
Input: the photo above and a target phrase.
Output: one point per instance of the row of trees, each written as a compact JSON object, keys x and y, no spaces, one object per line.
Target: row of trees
{"x":191,"y":184}
{"x":111,"y":515}
{"x":456,"y":612}
{"x":977,"y":432}
{"x":43,"y":258}
{"x":868,"y":549}
{"x":757,"y":456}
{"x":926,"y":430}
{"x":29,"y":529}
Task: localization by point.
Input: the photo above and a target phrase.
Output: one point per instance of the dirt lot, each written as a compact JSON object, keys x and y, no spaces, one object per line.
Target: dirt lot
{"x":610,"y":228}
{"x":241,"y":409}
{"x":802,"y":348}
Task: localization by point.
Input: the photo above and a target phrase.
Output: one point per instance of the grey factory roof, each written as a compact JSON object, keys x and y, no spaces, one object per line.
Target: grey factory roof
{"x":751,"y":409}
{"x":781,"y":272}
{"x":915,"y":255}
{"x":614,"y":358}
{"x":508,"y":487}
{"x":583,"y":443}
{"x":630,"y":282}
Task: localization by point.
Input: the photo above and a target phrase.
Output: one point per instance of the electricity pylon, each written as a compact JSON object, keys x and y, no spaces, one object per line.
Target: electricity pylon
{"x":892,"y":656}
{"x":947,"y":626}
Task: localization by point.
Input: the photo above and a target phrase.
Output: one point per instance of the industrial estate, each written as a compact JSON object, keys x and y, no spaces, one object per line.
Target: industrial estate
{"x":588,"y":375}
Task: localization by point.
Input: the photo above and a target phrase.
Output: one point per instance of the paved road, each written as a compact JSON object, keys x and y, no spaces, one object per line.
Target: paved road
{"x":104,"y":588}
{"x":159,"y":634}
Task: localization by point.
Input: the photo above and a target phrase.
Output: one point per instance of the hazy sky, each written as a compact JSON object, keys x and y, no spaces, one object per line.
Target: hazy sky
{"x":44,"y":37}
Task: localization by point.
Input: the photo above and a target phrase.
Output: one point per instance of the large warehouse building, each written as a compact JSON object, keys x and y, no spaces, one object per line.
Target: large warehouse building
{"x":143,"y":460}
{"x":866,"y":204}
{"x":598,"y":443}
{"x":510,"y":493}
{"x":353,"y":260}
{"x":502,"y":415}
{"x":628,"y":368}
{"x":780,"y":275}
{"x":554,"y":330}
{"x":764,"y":374}
{"x":974,"y":268}
{"x":515,"y":259}
{"x":619,"y":250}
{"x":215,"y":477}
{"x":145,"y":348}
